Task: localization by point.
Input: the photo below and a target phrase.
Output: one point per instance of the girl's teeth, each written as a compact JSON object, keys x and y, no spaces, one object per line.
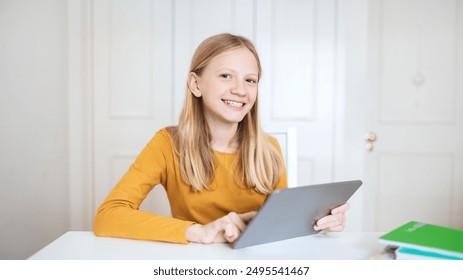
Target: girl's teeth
{"x":234,"y":104}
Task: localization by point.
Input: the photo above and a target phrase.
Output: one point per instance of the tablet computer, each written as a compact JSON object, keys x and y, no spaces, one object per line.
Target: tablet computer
{"x":292,"y":212}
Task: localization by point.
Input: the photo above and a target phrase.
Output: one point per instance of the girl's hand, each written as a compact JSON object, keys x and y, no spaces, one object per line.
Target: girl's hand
{"x":335,"y":221}
{"x":225,"y":229}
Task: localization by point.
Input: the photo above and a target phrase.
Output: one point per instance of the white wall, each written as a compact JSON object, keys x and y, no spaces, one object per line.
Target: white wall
{"x":33,"y":125}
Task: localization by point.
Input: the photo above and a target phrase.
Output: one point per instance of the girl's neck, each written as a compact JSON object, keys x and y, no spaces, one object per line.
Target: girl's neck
{"x":224,"y":138}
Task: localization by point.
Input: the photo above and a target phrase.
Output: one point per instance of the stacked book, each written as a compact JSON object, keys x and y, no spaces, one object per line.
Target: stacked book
{"x":415,"y":240}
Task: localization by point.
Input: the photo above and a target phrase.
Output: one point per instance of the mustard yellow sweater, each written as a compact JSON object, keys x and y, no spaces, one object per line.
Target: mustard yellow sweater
{"x":119,"y":214}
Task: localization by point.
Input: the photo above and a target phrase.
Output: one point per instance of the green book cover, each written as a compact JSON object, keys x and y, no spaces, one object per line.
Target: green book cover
{"x":426,"y":237}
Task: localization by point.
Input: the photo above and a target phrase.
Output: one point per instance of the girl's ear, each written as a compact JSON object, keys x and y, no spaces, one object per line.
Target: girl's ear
{"x":193,"y":84}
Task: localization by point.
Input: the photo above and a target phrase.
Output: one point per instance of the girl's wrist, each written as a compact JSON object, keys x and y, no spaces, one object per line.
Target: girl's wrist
{"x":193,"y":232}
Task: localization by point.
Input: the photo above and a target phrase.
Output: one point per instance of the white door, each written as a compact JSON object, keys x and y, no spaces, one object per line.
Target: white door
{"x":414,"y":120}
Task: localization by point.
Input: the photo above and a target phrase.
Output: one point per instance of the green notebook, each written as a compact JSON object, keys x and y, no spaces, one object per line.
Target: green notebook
{"x":426,"y":237}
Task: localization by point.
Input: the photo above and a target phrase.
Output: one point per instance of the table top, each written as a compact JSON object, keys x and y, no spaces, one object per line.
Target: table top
{"x":84,"y":245}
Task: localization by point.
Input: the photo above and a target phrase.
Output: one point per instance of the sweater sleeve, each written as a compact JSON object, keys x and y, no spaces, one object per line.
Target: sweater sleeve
{"x":119,"y":214}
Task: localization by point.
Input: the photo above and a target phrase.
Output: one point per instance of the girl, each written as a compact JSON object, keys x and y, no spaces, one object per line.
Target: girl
{"x":217,"y":166}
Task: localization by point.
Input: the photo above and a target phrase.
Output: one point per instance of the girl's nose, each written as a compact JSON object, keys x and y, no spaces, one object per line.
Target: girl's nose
{"x":238,"y":88}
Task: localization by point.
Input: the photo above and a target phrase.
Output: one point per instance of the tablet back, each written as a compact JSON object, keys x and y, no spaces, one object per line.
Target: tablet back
{"x":292,"y":212}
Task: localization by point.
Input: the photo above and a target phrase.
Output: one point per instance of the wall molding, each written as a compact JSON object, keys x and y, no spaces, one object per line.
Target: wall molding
{"x":81,"y":178}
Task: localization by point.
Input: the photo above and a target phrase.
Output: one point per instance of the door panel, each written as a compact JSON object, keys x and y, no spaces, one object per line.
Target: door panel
{"x":296,"y":43}
{"x":132,"y":47}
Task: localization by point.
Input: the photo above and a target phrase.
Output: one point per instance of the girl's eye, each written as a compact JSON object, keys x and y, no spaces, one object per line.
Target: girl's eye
{"x":252,"y":81}
{"x":225,"y":76}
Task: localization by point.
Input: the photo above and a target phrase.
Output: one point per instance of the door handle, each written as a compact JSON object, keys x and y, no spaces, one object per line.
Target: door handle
{"x":370,"y":137}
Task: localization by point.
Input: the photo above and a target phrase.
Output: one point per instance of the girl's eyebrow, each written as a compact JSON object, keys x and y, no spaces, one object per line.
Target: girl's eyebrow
{"x":225,"y":69}
{"x":234,"y":71}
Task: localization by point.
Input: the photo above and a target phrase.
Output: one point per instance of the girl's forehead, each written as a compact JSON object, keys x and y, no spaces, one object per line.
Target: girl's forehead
{"x":242,"y":51}
{"x":242,"y":57}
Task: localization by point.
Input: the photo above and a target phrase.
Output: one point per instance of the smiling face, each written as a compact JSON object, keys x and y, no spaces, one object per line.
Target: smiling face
{"x":228,"y":87}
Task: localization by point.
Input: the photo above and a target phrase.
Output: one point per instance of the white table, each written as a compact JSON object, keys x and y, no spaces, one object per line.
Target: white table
{"x":84,"y":245}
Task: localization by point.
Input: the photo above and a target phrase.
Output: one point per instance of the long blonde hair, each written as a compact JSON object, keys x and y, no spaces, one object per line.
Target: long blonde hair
{"x":260,"y":164}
